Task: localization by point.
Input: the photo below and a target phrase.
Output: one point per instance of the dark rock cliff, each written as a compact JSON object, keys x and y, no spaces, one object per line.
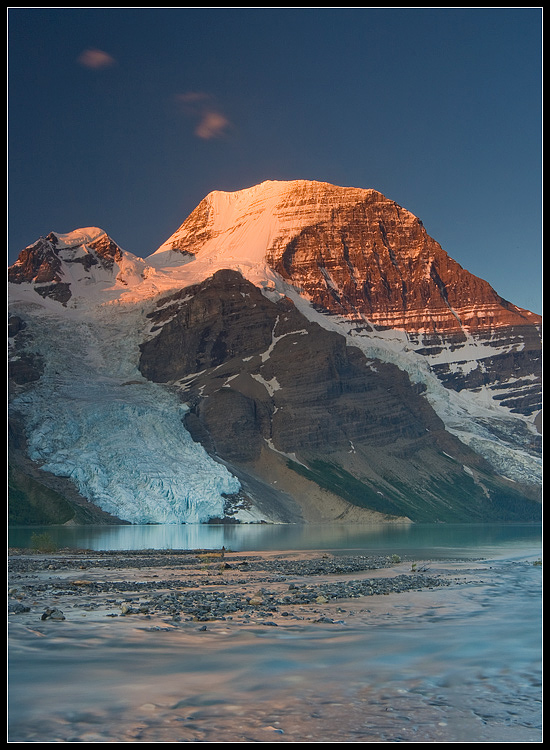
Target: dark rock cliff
{"x":258,"y":377}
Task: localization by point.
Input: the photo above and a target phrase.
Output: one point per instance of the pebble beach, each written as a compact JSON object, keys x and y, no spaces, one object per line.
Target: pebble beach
{"x":201,"y":585}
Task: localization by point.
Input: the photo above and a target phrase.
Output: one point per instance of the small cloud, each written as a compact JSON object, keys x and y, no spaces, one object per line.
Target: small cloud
{"x":212,"y":123}
{"x":96,"y":59}
{"x":193,"y":97}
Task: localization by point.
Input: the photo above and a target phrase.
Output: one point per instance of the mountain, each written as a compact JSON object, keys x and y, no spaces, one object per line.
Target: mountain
{"x":294,"y":352}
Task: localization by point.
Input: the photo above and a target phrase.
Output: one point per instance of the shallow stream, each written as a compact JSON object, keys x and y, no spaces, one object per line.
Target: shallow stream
{"x":452,"y":664}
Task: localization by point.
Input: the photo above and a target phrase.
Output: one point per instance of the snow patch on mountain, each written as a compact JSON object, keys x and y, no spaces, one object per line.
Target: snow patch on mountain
{"x":270,"y":385}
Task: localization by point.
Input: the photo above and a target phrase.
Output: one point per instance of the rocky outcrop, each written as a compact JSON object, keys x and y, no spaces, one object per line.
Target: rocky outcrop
{"x":38,"y":263}
{"x":289,"y":380}
{"x":260,"y":378}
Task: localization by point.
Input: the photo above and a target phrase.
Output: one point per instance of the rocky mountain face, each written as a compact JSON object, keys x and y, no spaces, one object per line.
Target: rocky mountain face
{"x":259,"y":377}
{"x":375,"y":264}
{"x":325,"y":349}
{"x":357,"y":256}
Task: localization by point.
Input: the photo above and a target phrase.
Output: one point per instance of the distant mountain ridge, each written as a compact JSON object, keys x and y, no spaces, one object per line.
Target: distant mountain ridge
{"x":351,"y":268}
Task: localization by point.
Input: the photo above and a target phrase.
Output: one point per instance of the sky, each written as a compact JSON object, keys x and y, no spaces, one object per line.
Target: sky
{"x":126,"y":118}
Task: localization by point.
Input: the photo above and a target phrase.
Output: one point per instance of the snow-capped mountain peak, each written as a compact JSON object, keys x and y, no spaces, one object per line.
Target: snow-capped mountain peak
{"x":240,"y":230}
{"x":281,"y":316}
{"x":84,"y":264}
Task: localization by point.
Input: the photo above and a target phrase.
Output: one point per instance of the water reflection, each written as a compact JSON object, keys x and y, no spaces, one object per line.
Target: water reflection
{"x":445,"y":539}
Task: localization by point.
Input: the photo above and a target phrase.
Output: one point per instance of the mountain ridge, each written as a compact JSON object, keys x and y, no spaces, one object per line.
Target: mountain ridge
{"x":347,"y":260}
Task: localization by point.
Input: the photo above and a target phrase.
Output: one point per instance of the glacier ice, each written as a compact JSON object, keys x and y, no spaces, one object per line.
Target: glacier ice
{"x":121,"y":439}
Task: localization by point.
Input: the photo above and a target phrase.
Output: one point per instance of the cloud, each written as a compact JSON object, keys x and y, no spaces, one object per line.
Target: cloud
{"x":198,"y":105}
{"x":96,"y":59}
{"x":212,"y":125}
{"x":193,"y":97}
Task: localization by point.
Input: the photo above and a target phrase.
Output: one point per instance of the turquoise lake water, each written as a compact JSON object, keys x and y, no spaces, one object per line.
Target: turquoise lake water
{"x":440,"y":539}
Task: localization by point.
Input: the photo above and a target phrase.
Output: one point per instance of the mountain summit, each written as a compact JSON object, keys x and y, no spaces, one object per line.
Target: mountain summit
{"x":294,"y":351}
{"x":350,"y":251}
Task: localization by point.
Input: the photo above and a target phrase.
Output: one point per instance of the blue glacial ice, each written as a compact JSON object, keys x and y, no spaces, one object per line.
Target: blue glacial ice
{"x":119,"y":438}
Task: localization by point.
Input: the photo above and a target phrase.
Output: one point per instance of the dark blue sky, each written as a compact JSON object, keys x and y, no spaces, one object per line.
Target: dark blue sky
{"x":126,"y":118}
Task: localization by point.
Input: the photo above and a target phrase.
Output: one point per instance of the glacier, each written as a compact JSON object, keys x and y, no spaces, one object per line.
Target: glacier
{"x":121,"y":439}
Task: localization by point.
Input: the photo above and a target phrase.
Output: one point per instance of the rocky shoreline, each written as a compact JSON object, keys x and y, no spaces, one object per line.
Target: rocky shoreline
{"x":205,"y":586}
{"x":223,"y":646}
